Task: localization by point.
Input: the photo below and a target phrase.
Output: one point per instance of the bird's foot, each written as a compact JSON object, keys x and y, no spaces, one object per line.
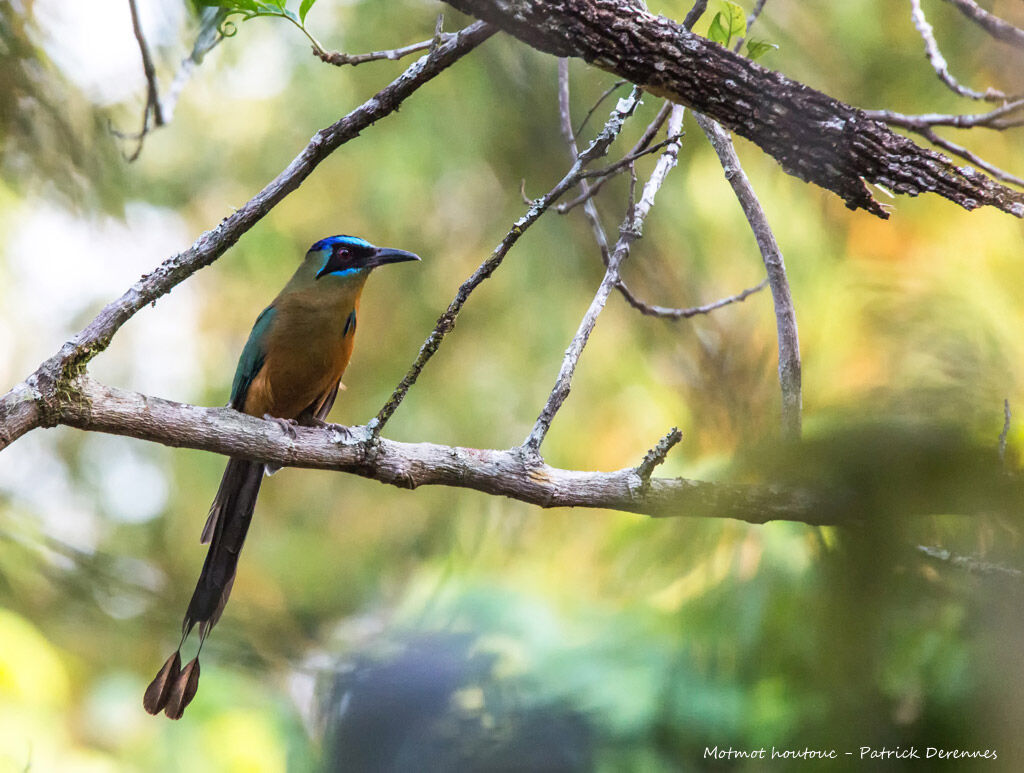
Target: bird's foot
{"x":340,"y":432}
{"x":313,"y":421}
{"x":350,"y":435}
{"x":287,"y":425}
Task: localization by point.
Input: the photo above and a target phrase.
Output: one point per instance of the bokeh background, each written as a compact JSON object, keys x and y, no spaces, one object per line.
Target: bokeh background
{"x":380,"y":629}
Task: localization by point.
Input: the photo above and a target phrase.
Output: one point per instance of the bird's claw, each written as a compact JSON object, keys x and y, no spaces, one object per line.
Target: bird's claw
{"x":287,"y":425}
{"x":347,"y":435}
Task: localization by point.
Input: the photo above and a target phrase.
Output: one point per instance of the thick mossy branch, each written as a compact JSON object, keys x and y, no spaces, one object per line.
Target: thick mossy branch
{"x":813,"y":136}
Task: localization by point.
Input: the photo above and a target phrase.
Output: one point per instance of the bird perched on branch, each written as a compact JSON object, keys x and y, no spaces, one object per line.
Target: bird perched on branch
{"x":290,"y":370}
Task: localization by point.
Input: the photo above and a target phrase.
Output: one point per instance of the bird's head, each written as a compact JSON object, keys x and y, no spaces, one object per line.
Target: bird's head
{"x":350,"y":255}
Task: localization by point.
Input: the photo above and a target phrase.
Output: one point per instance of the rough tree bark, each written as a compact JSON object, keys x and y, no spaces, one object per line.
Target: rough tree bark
{"x":813,"y":136}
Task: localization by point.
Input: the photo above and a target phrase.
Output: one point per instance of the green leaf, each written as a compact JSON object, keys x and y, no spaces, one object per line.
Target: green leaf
{"x":304,"y":9}
{"x":756,"y":48}
{"x":717,"y":33}
{"x":734,"y":20}
{"x":728,"y":23}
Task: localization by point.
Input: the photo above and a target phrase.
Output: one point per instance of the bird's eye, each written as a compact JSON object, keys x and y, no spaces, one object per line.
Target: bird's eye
{"x":344,"y":253}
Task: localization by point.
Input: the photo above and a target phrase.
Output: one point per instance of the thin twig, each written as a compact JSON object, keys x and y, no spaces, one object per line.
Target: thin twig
{"x":751,"y":18}
{"x":152,"y":93}
{"x":998,"y":28}
{"x":964,"y":153}
{"x":600,"y":100}
{"x":664,"y":312}
{"x":438,"y":38}
{"x":589,"y":191}
{"x":785,"y":314}
{"x":924,"y":124}
{"x":586,"y":189}
{"x":928,"y":120}
{"x":695,"y":13}
{"x":630,"y":230}
{"x":340,"y":59}
{"x":603,"y":175}
{"x":657,"y":455}
{"x":630,"y":158}
{"x":597,"y":148}
{"x":938,"y":61}
{"x":1005,"y":432}
{"x":522,"y":192}
{"x":653,"y":127}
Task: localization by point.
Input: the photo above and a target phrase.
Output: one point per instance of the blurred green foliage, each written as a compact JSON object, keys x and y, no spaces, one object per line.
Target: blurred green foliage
{"x":612,"y":642}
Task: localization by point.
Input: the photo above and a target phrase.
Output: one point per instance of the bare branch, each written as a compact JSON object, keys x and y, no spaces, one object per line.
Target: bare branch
{"x":964,"y":153}
{"x":812,"y":135}
{"x":152,"y":93}
{"x":785,"y":314}
{"x":91,"y":406}
{"x":999,"y":118}
{"x":340,"y":59}
{"x":752,"y":17}
{"x":95,"y":407}
{"x":998,"y":28}
{"x":589,"y":191}
{"x":630,"y":230}
{"x":675,"y":314}
{"x":438,"y":38}
{"x":938,"y":61}
{"x":94,"y":338}
{"x":21,"y":410}
{"x":586,"y":189}
{"x":695,"y":13}
{"x":600,"y":100}
{"x":653,"y":128}
{"x":446,"y":322}
{"x":641,"y":148}
{"x":657,"y":455}
{"x":628,"y":160}
{"x":927,"y":120}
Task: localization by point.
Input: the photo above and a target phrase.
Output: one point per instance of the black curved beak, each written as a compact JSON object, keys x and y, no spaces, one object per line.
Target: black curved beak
{"x":385,"y":255}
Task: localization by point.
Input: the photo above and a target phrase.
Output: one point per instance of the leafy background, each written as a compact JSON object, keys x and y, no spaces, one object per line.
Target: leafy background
{"x":484,"y":631}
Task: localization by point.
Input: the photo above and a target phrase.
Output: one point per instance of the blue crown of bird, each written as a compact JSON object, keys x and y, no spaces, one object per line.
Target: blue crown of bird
{"x":290,"y":371}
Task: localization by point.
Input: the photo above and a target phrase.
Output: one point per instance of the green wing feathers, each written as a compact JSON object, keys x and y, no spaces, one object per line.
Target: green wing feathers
{"x":253,"y":356}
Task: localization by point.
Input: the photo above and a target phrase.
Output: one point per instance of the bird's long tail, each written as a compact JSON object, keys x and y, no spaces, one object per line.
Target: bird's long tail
{"x":225,"y":530}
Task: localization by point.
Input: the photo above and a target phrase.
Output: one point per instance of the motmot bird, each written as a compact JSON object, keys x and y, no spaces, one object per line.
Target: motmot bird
{"x":290,"y":370}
